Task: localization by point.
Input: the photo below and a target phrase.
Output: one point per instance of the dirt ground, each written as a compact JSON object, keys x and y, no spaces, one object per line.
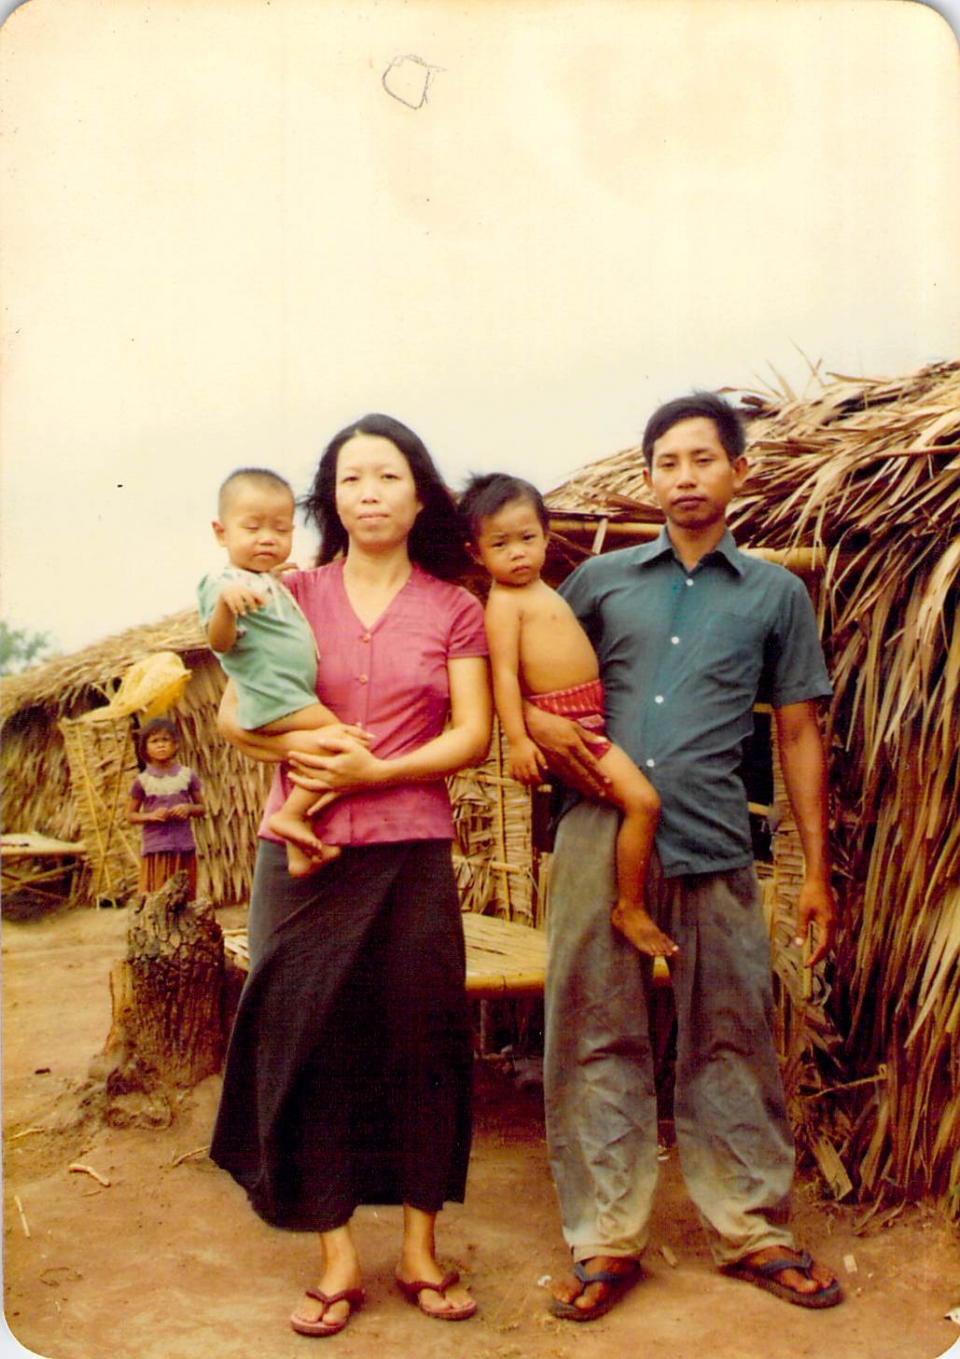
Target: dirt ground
{"x":168,"y":1262}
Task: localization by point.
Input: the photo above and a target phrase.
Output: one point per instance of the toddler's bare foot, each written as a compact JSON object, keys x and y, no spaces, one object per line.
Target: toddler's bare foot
{"x":635,"y":924}
{"x":305,"y":853}
{"x":301,"y":865}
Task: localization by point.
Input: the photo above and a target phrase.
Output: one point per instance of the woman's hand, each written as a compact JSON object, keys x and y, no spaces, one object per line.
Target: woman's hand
{"x":332,"y":739}
{"x":567,"y":749}
{"x":337,"y":762}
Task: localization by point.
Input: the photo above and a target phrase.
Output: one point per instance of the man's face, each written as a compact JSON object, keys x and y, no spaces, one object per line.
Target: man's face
{"x":691,"y":475}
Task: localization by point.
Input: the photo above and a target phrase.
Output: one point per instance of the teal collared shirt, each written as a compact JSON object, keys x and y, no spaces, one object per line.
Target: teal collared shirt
{"x":684,"y":656}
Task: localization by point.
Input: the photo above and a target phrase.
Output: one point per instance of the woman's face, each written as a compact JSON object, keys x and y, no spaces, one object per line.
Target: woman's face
{"x":377,"y":499}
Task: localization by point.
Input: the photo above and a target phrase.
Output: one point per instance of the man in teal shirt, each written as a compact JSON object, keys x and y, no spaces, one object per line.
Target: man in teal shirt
{"x":690,"y":634}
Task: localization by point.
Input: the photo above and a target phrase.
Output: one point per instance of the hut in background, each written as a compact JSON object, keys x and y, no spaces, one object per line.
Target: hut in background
{"x":41,"y":705}
{"x":866,"y":476}
{"x":859,"y":489}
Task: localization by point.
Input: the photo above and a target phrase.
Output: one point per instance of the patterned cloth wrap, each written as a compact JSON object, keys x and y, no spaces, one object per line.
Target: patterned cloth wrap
{"x":583,"y":704}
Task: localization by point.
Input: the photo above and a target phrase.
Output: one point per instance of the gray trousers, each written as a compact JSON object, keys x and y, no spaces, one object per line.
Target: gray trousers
{"x":733,"y":1135}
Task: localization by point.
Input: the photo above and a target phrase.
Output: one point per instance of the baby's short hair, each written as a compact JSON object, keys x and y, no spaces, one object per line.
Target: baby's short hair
{"x":486,"y":493}
{"x":254,"y":476}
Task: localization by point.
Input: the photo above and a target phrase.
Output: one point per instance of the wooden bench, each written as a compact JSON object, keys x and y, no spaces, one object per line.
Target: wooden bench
{"x":37,"y":867}
{"x":504,"y":959}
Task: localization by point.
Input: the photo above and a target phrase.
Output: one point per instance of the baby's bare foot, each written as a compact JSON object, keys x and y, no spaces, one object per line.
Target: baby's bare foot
{"x":301,"y":865}
{"x":305,"y":853}
{"x":635,"y":924}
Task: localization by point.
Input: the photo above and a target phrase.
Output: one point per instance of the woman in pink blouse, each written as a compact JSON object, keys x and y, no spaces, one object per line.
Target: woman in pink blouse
{"x":348,"y":1075}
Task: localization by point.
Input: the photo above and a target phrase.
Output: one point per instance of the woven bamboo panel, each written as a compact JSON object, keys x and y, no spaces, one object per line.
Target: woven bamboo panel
{"x":498,"y":870}
{"x":103,"y":765}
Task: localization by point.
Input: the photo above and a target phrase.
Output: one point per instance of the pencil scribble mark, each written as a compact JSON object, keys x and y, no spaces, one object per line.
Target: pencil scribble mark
{"x":408,"y":79}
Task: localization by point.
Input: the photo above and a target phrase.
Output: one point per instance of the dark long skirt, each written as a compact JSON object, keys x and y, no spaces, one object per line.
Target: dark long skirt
{"x":348,"y":1075}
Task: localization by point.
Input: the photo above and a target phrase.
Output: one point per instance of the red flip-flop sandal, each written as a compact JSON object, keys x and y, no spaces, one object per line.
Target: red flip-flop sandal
{"x":411,"y":1291}
{"x":354,"y":1296}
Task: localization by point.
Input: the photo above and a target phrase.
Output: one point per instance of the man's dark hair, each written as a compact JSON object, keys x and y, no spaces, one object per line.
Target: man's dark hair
{"x":486,"y":493}
{"x":728,"y":422}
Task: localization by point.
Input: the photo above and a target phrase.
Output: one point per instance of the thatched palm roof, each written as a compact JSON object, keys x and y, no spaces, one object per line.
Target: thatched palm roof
{"x":36,"y":786}
{"x":868,"y":471}
{"x":63,"y":680}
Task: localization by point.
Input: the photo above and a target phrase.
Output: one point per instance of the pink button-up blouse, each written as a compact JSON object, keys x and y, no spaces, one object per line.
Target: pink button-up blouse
{"x":391,"y":679}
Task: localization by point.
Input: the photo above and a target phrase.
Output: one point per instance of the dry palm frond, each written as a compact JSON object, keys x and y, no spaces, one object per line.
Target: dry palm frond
{"x":869,"y":472}
{"x":878,"y":484}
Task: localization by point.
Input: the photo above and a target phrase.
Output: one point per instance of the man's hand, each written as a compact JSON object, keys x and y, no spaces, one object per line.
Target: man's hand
{"x":567,"y":749}
{"x":816,"y":907}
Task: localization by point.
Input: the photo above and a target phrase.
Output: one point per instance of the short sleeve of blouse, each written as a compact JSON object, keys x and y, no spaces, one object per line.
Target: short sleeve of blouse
{"x":468,"y":636}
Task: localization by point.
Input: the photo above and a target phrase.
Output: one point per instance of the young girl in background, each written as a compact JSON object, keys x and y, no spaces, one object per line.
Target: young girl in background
{"x":165,"y":797}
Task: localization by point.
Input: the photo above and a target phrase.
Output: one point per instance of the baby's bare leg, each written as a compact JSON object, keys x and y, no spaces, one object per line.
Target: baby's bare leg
{"x":305,"y":853}
{"x":304,"y":719}
{"x":637,"y":799}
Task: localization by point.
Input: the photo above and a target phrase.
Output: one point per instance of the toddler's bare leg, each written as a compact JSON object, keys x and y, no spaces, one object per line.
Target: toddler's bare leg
{"x":304,"y":719}
{"x":637,"y":799}
{"x":305,"y":853}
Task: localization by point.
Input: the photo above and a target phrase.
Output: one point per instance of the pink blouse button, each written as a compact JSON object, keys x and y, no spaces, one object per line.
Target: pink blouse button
{"x":365,"y":637}
{"x":362,"y":679}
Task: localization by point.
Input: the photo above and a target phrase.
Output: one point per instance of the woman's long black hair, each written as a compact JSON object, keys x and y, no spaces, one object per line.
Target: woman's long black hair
{"x":437,"y":541}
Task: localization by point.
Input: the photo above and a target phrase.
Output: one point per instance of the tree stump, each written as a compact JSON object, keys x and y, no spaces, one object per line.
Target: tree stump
{"x":166,"y":1028}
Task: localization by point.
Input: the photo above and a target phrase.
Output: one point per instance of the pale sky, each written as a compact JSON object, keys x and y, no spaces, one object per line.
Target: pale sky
{"x":228,"y":230}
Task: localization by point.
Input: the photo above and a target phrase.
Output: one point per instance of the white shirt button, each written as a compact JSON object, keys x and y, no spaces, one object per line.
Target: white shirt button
{"x":689,"y":583}
{"x":651,"y":764}
{"x":675,"y":641}
{"x":659,"y":698}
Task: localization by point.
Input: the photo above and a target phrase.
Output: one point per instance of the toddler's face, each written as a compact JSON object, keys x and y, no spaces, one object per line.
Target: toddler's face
{"x":512,"y":544}
{"x":257,"y":528}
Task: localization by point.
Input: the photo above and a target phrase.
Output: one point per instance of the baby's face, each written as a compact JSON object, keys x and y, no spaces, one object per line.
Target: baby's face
{"x":512,"y":544}
{"x":257,"y":528}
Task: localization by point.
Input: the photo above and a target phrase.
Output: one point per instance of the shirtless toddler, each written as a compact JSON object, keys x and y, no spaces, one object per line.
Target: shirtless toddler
{"x":541,"y":655}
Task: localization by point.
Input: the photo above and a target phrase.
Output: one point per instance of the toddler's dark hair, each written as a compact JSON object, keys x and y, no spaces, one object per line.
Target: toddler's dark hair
{"x":486,"y":493}
{"x":263,"y":477}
